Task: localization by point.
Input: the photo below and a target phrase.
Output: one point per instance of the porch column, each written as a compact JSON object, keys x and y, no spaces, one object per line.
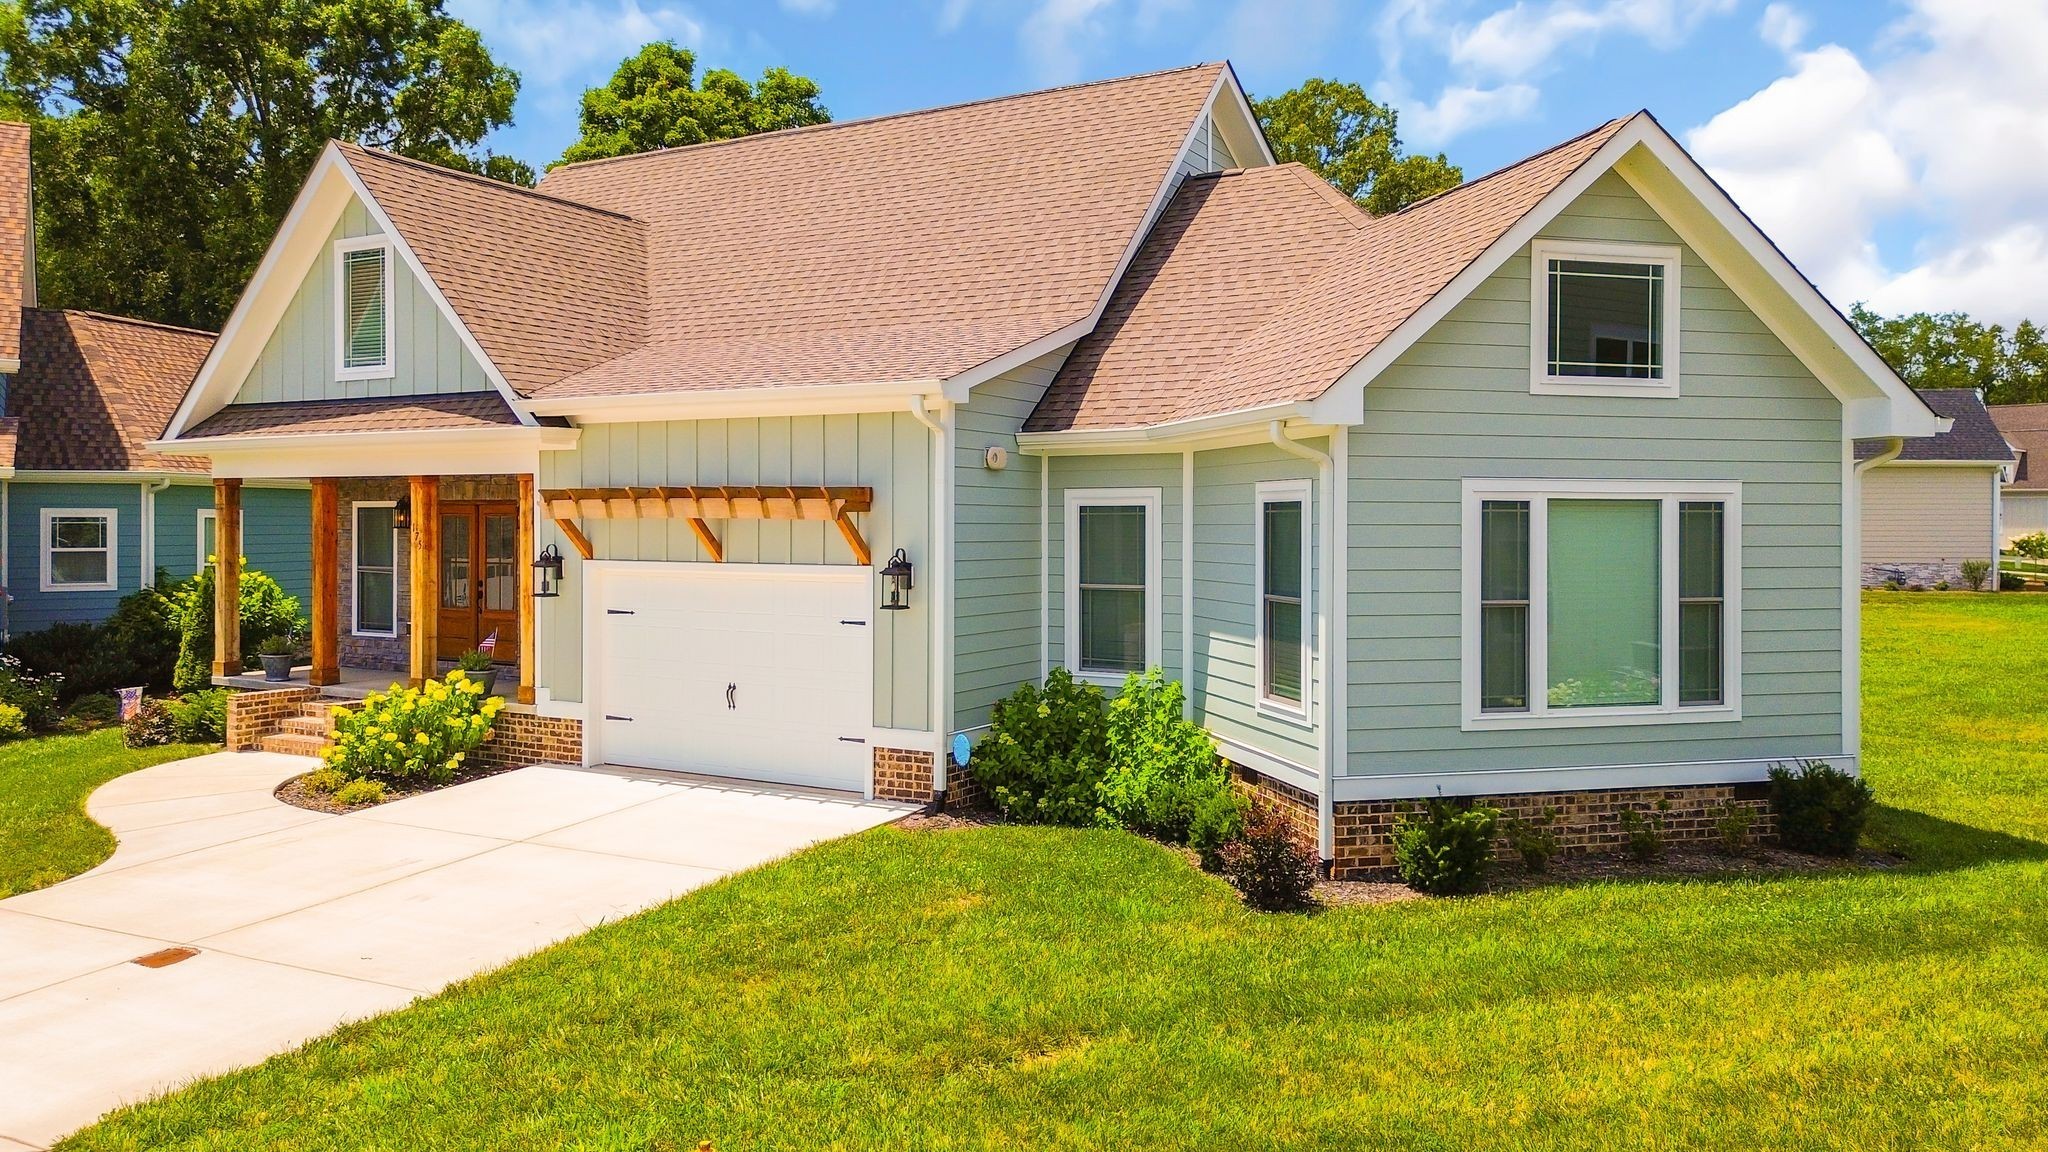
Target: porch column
{"x":326,"y":584}
{"x":227,"y":577}
{"x":525,"y":560}
{"x":426,"y":578}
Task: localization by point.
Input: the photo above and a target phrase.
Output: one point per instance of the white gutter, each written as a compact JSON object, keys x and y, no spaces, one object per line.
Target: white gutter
{"x":940,"y":586}
{"x":1326,"y":611}
{"x":1852,"y":589}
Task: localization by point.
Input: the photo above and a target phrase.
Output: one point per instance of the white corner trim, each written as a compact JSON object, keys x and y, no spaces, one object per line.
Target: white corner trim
{"x":1542,"y":381}
{"x":1077,"y":498}
{"x":1187,"y":581}
{"x":45,"y":548}
{"x":388,"y":368}
{"x":1267,"y":492}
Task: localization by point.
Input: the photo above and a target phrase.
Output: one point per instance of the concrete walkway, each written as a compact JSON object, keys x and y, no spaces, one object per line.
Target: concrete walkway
{"x":302,"y":920}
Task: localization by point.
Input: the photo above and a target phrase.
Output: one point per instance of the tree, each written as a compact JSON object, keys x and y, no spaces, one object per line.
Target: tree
{"x":1950,"y":350}
{"x":654,"y":101}
{"x":171,"y":136}
{"x":1351,"y":141}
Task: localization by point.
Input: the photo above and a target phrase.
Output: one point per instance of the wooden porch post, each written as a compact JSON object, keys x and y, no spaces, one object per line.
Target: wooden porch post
{"x":227,"y":577}
{"x":326,"y":584}
{"x":525,"y":560}
{"x":426,"y":578}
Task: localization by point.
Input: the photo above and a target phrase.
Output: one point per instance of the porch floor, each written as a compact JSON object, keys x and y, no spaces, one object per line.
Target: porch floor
{"x":355,"y":683}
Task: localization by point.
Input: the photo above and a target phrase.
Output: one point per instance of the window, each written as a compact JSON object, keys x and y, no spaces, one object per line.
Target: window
{"x":208,"y":535}
{"x":1113,"y":582}
{"x":375,"y":568}
{"x":362,"y":308}
{"x":79,"y":550}
{"x":1601,"y":602}
{"x":1605,"y":319}
{"x":1282,"y":563}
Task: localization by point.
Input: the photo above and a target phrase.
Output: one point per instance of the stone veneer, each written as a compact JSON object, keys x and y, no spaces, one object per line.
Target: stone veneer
{"x":906,"y":774}
{"x":521,"y":738}
{"x":1926,"y":573}
{"x":254,"y":715}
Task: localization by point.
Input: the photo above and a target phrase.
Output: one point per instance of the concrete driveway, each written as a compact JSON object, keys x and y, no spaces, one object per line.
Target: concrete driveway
{"x":300,"y":921}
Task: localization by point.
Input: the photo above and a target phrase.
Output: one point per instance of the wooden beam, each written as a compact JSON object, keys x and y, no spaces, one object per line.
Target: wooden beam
{"x":227,"y":578}
{"x":525,"y":560}
{"x":326,"y":584}
{"x":705,"y":538}
{"x":424,"y":657}
{"x":577,"y":539}
{"x":854,"y":540}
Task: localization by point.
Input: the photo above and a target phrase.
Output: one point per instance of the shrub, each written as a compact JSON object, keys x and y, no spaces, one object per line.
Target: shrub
{"x":1534,"y":839}
{"x":1642,"y":833}
{"x":266,"y":611}
{"x":1444,"y":849}
{"x":413,"y":736}
{"x":1975,"y":573}
{"x":144,"y":630}
{"x":2033,"y":544}
{"x":359,"y":792}
{"x":1267,"y":863}
{"x":1733,"y":822}
{"x":1159,"y":763}
{"x":150,"y":726}
{"x":200,"y":717}
{"x":474,"y":660}
{"x":324,"y":781}
{"x":1218,"y":818}
{"x":94,"y":710}
{"x":13,"y":725}
{"x":1941,"y":585}
{"x":2011,"y":582}
{"x":79,"y":653}
{"x":1819,"y":807}
{"x":35,"y":695}
{"x":1043,"y":759}
{"x":282,"y":645}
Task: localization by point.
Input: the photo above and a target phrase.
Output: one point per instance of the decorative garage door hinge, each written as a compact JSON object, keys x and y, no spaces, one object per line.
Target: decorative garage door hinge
{"x":855,"y":623}
{"x":618,"y":612}
{"x":627,"y":719}
{"x":853,"y":740}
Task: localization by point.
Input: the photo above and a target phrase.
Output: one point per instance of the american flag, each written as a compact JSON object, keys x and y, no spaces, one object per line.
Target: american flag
{"x":489,"y":644}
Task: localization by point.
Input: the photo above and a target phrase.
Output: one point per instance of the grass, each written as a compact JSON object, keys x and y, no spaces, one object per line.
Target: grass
{"x":45,"y":834}
{"x":1037,"y":988}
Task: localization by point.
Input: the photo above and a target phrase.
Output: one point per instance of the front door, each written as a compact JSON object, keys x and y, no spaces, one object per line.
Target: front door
{"x":480,"y":579}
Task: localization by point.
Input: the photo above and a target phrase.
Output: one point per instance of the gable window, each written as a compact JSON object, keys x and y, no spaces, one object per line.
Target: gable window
{"x":374,"y":568}
{"x":1282,"y":564}
{"x":1112,"y":582}
{"x":1605,"y":320}
{"x":79,"y":549}
{"x":1601,"y":602}
{"x":362,"y":308}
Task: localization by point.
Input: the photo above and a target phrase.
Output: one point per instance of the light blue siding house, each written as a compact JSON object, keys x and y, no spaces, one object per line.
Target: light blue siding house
{"x":785,"y":458}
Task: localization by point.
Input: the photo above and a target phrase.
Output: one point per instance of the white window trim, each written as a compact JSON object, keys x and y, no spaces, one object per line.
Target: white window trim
{"x":1283,"y":492}
{"x":199,"y":536}
{"x":113,"y":549}
{"x":355,"y":569}
{"x":1541,"y":382}
{"x":1668,"y":710}
{"x":1070,"y":631}
{"x":342,"y":247}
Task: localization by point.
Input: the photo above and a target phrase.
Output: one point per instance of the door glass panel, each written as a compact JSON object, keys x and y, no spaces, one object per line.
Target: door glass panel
{"x":501,"y":564}
{"x":455,"y":575}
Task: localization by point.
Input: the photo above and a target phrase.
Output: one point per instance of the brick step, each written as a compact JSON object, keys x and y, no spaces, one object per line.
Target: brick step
{"x":294,"y":744}
{"x":307,"y":726}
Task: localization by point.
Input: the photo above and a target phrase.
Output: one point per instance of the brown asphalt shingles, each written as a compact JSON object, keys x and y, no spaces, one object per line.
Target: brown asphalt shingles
{"x":94,"y":390}
{"x":379,"y":414}
{"x":14,"y":233}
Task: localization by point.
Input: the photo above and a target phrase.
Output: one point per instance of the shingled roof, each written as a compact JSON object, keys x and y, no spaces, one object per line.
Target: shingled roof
{"x":2025,"y":428}
{"x":1973,"y":438}
{"x":371,"y":414}
{"x":15,"y":233}
{"x":93,"y":390}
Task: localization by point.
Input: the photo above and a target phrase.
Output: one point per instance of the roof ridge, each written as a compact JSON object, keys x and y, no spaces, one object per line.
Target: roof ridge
{"x":1358,"y":217}
{"x":489,"y":182}
{"x":1504,"y":169}
{"x":135,"y":321}
{"x":783,"y":133}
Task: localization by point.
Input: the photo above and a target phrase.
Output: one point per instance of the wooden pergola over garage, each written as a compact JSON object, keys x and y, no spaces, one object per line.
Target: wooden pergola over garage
{"x":700,"y":503}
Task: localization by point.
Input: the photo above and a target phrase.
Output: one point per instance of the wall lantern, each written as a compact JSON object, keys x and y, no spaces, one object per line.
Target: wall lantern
{"x":401,"y":513}
{"x":547,"y":573}
{"x":896,"y":583}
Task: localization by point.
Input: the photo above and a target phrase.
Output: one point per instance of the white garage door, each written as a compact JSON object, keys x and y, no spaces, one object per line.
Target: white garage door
{"x":737,"y":670}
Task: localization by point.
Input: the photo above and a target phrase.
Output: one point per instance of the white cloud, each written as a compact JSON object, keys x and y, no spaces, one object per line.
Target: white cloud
{"x":556,"y":44}
{"x":1279,"y":36}
{"x":1055,"y":33}
{"x":1783,"y":27}
{"x":1946,"y":133}
{"x":1459,"y":109}
{"x":1520,"y":41}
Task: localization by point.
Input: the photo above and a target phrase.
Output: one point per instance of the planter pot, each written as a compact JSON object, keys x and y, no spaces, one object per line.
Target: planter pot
{"x":488,"y":679}
{"x":276,"y":667}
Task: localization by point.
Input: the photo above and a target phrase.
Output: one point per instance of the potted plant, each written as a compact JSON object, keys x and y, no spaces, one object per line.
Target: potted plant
{"x":276,"y":653}
{"x":477,"y":666}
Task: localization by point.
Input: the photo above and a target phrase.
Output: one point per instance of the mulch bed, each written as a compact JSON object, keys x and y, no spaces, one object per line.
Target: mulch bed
{"x":295,"y":793}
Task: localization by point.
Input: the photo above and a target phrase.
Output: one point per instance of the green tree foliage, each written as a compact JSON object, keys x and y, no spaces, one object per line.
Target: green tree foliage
{"x":171,"y":136}
{"x":1351,"y":141}
{"x":654,"y":100}
{"x":1950,"y":350}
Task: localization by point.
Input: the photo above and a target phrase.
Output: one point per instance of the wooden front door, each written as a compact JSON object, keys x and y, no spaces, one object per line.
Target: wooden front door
{"x":480,"y":579}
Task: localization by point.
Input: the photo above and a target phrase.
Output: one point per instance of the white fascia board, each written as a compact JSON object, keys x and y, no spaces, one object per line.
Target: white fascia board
{"x":1243,"y":122}
{"x":959,"y":389}
{"x":1227,"y":430}
{"x":1946,"y":464}
{"x":724,"y":403}
{"x":9,"y":365}
{"x":454,"y":452}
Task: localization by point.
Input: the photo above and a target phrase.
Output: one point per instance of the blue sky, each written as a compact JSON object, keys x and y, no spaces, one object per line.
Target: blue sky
{"x":1898,"y":149}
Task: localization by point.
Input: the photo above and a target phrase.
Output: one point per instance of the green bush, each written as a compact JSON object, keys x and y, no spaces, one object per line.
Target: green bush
{"x":151,"y":725}
{"x":1819,"y":807}
{"x":1733,"y":822}
{"x":324,"y":781}
{"x":1268,"y":864}
{"x":2033,"y":544}
{"x":1218,"y":819}
{"x":413,"y":736}
{"x":1444,"y":849}
{"x":92,"y":711}
{"x":1534,"y":839}
{"x":266,"y":611}
{"x":200,"y":717}
{"x":1976,"y":573}
{"x":1044,"y":756}
{"x":1160,"y":763}
{"x":13,"y":725}
{"x":35,"y":695}
{"x":356,"y":792}
{"x":1642,"y":833}
{"x":2011,"y":582}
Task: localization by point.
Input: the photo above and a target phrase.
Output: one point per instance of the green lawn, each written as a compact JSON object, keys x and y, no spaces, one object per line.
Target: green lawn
{"x":45,"y":834}
{"x":1035,"y":988}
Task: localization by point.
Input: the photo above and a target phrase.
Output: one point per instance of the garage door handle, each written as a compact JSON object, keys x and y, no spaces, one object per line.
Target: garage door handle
{"x":618,"y":611}
{"x":729,"y":690}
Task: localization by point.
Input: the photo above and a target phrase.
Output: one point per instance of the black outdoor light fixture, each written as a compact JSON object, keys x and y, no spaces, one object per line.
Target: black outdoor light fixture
{"x":401,"y":513}
{"x":896,"y":583}
{"x":547,"y":573}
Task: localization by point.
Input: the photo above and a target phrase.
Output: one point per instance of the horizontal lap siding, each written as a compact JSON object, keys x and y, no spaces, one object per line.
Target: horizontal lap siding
{"x":1153,"y":470}
{"x":33,"y":609}
{"x":1457,"y":404}
{"x":277,"y":534}
{"x":1920,"y":514}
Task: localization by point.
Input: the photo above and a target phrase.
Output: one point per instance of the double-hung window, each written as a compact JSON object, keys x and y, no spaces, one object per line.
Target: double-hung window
{"x":1601,"y":602}
{"x":362,"y":308}
{"x":1112,"y":576}
{"x":1605,"y":320}
{"x":374,"y":568}
{"x":1282,"y":565}
{"x":79,"y":546}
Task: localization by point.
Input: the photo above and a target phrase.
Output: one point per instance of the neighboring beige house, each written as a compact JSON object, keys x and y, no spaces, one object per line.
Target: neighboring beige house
{"x":2024,"y":503}
{"x":1936,"y":504}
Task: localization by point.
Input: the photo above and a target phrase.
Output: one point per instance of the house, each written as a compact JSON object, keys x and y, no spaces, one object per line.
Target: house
{"x":89,"y":512}
{"x":1935,"y":503}
{"x":2025,"y":498}
{"x":1543,"y":489}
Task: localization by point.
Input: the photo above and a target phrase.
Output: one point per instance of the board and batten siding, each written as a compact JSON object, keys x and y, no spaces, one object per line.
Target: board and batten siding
{"x":1924,"y":513}
{"x":298,"y":361}
{"x":1206,"y":151}
{"x":995,"y":534}
{"x":888,"y":451}
{"x":1457,"y":404}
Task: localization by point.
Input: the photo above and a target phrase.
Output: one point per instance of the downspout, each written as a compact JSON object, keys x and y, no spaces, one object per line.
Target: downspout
{"x":940,"y":588}
{"x":146,"y":578}
{"x":1187,"y":583}
{"x":1852,"y":593}
{"x":1326,"y":611}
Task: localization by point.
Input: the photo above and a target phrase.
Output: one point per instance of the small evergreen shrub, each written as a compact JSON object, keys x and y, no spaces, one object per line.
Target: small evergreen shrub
{"x":36,"y":695}
{"x":1267,"y":864}
{"x":1733,"y":822}
{"x":1159,"y":763}
{"x":151,"y":725}
{"x":1046,"y":751}
{"x":408,"y":737}
{"x":474,"y":660}
{"x":13,"y":725}
{"x":2011,"y":582}
{"x":1444,"y":848}
{"x":1534,"y":839}
{"x":324,"y":781}
{"x":200,"y":717}
{"x":1819,"y":807}
{"x":1217,"y":820}
{"x":93,"y":711}
{"x":266,"y":611}
{"x":1642,"y":833}
{"x":1975,"y":573}
{"x":359,"y":792}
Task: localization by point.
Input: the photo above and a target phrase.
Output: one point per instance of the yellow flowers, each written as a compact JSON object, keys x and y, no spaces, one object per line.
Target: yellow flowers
{"x":413,"y":736}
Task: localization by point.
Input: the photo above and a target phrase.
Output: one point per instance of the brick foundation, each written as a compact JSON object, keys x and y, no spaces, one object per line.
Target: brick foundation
{"x":522,"y":738}
{"x":1297,"y":804}
{"x":905,"y":774}
{"x":254,"y":715}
